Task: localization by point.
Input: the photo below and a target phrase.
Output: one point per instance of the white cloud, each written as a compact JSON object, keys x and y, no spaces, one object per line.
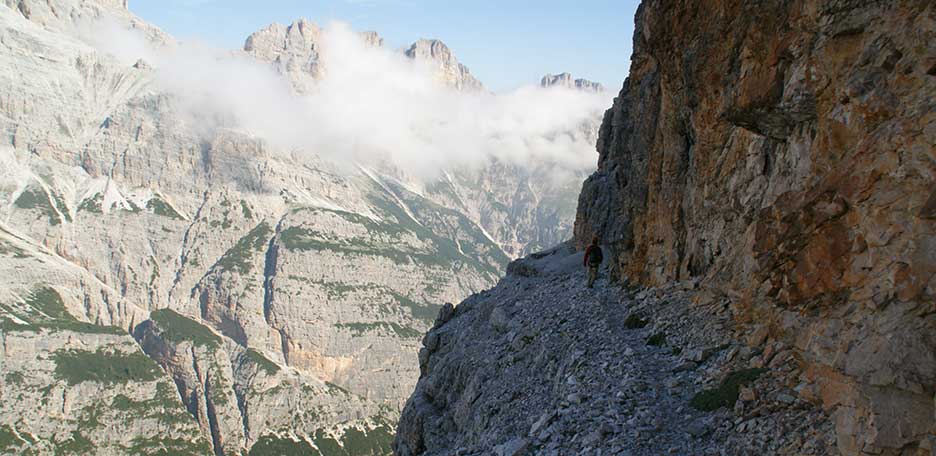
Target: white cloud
{"x":371,"y":104}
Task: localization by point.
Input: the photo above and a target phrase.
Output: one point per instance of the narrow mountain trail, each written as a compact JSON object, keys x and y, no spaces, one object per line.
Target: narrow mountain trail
{"x":543,"y":365}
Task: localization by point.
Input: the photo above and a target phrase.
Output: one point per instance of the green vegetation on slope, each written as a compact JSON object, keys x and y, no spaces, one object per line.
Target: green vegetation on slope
{"x":337,"y":290}
{"x":77,"y":445}
{"x":262,"y":362}
{"x":377,"y":441}
{"x":169,"y":447}
{"x":327,"y":445}
{"x":77,"y":366}
{"x":61,"y":325}
{"x":60,"y":204}
{"x":164,"y":406}
{"x":271,"y":445}
{"x":162,"y":208}
{"x":177,"y":328}
{"x":634,"y":321}
{"x":423,"y":312}
{"x":657,"y":339}
{"x":443,"y":187}
{"x":49,"y":302}
{"x":245,"y":209}
{"x":304,"y":239}
{"x":43,"y":308}
{"x":447,"y":251}
{"x":239,"y":257}
{"x":9,"y":440}
{"x":373,"y":442}
{"x":10,"y":249}
{"x":15,"y":378}
{"x":387,"y":239}
{"x":361,"y":328}
{"x":727,"y":392}
{"x":94,"y":204}
{"x":36,"y":198}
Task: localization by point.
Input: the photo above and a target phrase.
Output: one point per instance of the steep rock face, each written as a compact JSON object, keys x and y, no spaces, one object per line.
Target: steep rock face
{"x":566,"y":80}
{"x":292,"y":49}
{"x":295,"y":50}
{"x":190,"y":354}
{"x":447,"y":68}
{"x":240,"y":398}
{"x":783,"y":154}
{"x":68,"y":387}
{"x":523,"y":210}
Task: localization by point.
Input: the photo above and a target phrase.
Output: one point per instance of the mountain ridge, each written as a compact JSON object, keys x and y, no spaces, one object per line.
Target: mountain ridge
{"x":566,"y":80}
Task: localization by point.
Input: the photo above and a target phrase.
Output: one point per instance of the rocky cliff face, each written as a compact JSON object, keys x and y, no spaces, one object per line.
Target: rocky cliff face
{"x":67,"y":385}
{"x":448,"y":69}
{"x":782,"y":153}
{"x":293,"y":50}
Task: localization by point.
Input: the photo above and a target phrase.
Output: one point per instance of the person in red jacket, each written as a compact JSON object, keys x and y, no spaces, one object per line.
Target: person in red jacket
{"x":592,"y":260}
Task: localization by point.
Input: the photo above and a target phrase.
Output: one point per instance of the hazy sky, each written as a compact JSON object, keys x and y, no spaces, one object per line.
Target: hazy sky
{"x":505,"y":43}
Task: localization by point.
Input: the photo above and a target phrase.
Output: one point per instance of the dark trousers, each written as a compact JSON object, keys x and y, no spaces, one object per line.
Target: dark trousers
{"x":592,"y":274}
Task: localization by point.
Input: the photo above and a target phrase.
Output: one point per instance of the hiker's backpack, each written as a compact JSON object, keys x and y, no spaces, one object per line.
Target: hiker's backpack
{"x":595,"y":257}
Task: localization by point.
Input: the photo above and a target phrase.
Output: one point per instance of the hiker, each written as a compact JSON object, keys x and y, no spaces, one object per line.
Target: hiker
{"x":592,"y":261}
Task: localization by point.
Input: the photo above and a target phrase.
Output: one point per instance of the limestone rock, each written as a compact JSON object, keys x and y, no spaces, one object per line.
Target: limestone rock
{"x":566,"y":80}
{"x":293,"y":50}
{"x":64,"y":385}
{"x":448,"y":70}
{"x":752,"y":149}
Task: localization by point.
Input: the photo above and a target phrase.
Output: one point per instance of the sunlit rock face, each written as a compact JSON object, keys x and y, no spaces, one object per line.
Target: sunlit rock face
{"x":447,"y":68}
{"x":566,"y":80}
{"x":66,"y":384}
{"x":293,"y":50}
{"x":280,"y":295}
{"x":782,"y":153}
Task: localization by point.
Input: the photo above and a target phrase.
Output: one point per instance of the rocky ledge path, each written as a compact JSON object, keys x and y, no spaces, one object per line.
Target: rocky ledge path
{"x":542,"y":365}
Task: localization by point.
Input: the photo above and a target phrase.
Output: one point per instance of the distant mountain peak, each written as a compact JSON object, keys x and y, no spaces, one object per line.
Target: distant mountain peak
{"x":566,"y":80}
{"x":292,"y":48}
{"x":372,"y":38}
{"x":448,"y":69}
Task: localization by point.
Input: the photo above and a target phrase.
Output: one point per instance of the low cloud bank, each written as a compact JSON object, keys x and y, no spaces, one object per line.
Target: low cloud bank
{"x":370,"y":104}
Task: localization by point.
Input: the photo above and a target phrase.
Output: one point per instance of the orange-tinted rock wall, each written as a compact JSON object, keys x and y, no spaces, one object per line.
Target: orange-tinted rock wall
{"x":784,"y":154}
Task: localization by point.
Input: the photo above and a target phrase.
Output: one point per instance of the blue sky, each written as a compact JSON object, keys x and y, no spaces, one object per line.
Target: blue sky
{"x":505,"y":43}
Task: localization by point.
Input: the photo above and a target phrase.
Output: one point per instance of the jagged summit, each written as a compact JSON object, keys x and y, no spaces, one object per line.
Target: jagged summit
{"x":566,"y":80}
{"x":448,"y":69}
{"x":62,"y":9}
{"x":372,"y":38}
{"x":294,"y":50}
{"x":66,"y":16}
